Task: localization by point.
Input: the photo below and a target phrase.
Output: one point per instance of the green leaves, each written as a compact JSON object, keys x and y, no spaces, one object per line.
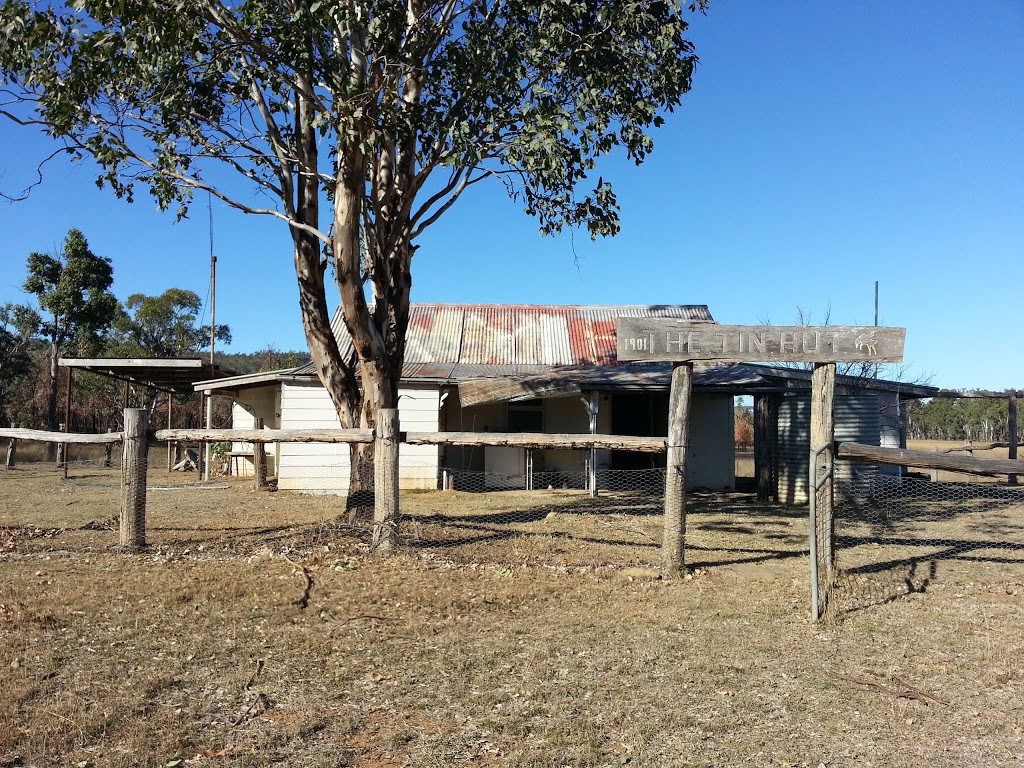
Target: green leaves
{"x":386,"y":111}
{"x":535,"y":92}
{"x":163,"y":326}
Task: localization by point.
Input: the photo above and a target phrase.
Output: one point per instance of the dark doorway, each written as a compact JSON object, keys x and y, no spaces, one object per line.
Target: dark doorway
{"x":643,"y":414}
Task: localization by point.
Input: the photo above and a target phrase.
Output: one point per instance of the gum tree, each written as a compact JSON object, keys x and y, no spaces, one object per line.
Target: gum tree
{"x":361,"y":122}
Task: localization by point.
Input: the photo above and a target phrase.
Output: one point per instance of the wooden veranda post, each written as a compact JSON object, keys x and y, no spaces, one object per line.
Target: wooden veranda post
{"x":385,"y":481}
{"x":12,"y":447}
{"x":134,"y":464}
{"x":762,"y":447}
{"x":673,"y":545}
{"x":170,"y":425}
{"x":259,"y":460}
{"x":62,"y":452}
{"x":108,"y":452}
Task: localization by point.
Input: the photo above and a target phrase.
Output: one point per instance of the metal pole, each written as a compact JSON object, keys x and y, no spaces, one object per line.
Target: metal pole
{"x":592,"y":407}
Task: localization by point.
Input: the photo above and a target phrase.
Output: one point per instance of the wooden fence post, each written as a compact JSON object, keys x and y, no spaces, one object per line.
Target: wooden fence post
{"x":1011,"y":423}
{"x":385,"y":481}
{"x":673,"y":544}
{"x":134,"y":463}
{"x":12,"y":447}
{"x":822,"y":434}
{"x":259,"y":460}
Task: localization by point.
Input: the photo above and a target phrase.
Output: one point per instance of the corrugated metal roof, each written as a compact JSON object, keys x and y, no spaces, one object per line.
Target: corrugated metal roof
{"x":519,"y":334}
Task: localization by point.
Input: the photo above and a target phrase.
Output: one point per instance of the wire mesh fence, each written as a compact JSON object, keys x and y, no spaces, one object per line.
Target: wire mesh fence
{"x":573,"y":518}
{"x":547,"y":517}
{"x":899,"y":534}
{"x":893,"y":534}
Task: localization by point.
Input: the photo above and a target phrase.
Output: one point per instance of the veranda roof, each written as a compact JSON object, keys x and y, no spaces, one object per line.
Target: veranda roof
{"x":176,"y":375}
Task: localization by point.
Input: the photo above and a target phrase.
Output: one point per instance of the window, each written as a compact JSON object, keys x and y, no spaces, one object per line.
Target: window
{"x":526,"y":416}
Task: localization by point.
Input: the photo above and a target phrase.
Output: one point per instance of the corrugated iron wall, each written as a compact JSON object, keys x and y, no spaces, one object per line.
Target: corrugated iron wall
{"x":856,"y":420}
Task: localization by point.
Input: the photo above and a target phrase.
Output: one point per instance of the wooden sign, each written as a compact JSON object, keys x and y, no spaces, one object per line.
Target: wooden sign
{"x":673,"y":340}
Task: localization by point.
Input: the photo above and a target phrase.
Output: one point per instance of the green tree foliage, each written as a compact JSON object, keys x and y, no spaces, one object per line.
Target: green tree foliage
{"x":163,"y":326}
{"x":363,"y":121}
{"x":262,"y":360}
{"x":959,"y":418}
{"x":75,"y":306}
{"x":15,"y":358}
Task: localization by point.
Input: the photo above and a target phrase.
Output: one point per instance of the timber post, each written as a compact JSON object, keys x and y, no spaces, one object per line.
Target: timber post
{"x":673,"y":546}
{"x":385,"y":481}
{"x":63,"y":451}
{"x":762,"y":447}
{"x":108,"y":452}
{"x":592,"y":405}
{"x":1011,"y":423}
{"x":134,"y":463}
{"x":821,"y":490}
{"x":259,"y":460}
{"x":170,"y":443}
{"x":12,"y":447}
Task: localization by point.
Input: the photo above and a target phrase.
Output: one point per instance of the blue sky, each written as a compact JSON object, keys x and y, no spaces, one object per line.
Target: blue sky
{"x":824,"y":146}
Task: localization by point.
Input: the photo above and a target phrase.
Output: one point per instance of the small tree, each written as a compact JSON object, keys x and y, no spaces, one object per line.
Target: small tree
{"x":163,"y":326}
{"x":75,"y":306}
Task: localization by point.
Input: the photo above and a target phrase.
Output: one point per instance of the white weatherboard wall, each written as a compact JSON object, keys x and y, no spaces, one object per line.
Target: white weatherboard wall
{"x":711,"y":462}
{"x":324,"y":467}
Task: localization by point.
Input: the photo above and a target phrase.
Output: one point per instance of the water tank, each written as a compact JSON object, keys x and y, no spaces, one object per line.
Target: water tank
{"x":856,"y":420}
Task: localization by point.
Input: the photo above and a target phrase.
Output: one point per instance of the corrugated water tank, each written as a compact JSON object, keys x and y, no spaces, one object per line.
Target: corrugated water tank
{"x":856,"y":420}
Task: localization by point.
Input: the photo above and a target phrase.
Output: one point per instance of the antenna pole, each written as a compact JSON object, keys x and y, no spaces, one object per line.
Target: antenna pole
{"x":876,"y":302}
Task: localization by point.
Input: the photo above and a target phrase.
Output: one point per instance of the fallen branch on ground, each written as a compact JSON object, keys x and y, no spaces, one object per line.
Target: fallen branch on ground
{"x":303,"y":601}
{"x":904,"y":691}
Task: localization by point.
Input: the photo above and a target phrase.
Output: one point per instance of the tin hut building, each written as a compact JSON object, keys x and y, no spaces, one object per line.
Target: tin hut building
{"x":512,"y":368}
{"x":507,"y":368}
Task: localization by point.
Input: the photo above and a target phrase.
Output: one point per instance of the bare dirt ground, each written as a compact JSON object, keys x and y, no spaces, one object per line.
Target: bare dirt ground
{"x":256,"y":631}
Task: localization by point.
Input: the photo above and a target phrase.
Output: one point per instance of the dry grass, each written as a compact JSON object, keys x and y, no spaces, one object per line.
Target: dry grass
{"x":532,"y":645}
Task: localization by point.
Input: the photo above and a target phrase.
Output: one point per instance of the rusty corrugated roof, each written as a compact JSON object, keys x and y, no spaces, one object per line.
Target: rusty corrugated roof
{"x":519,"y":334}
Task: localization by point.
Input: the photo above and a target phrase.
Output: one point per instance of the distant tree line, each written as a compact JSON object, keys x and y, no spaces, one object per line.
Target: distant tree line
{"x":959,"y":418}
{"x":70,"y":311}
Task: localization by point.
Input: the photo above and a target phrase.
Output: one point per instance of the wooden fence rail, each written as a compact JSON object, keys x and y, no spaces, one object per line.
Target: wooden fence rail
{"x":903,"y":457}
{"x":266,"y":435}
{"x":539,"y":440}
{"x":43,"y":436}
{"x":513,"y":439}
